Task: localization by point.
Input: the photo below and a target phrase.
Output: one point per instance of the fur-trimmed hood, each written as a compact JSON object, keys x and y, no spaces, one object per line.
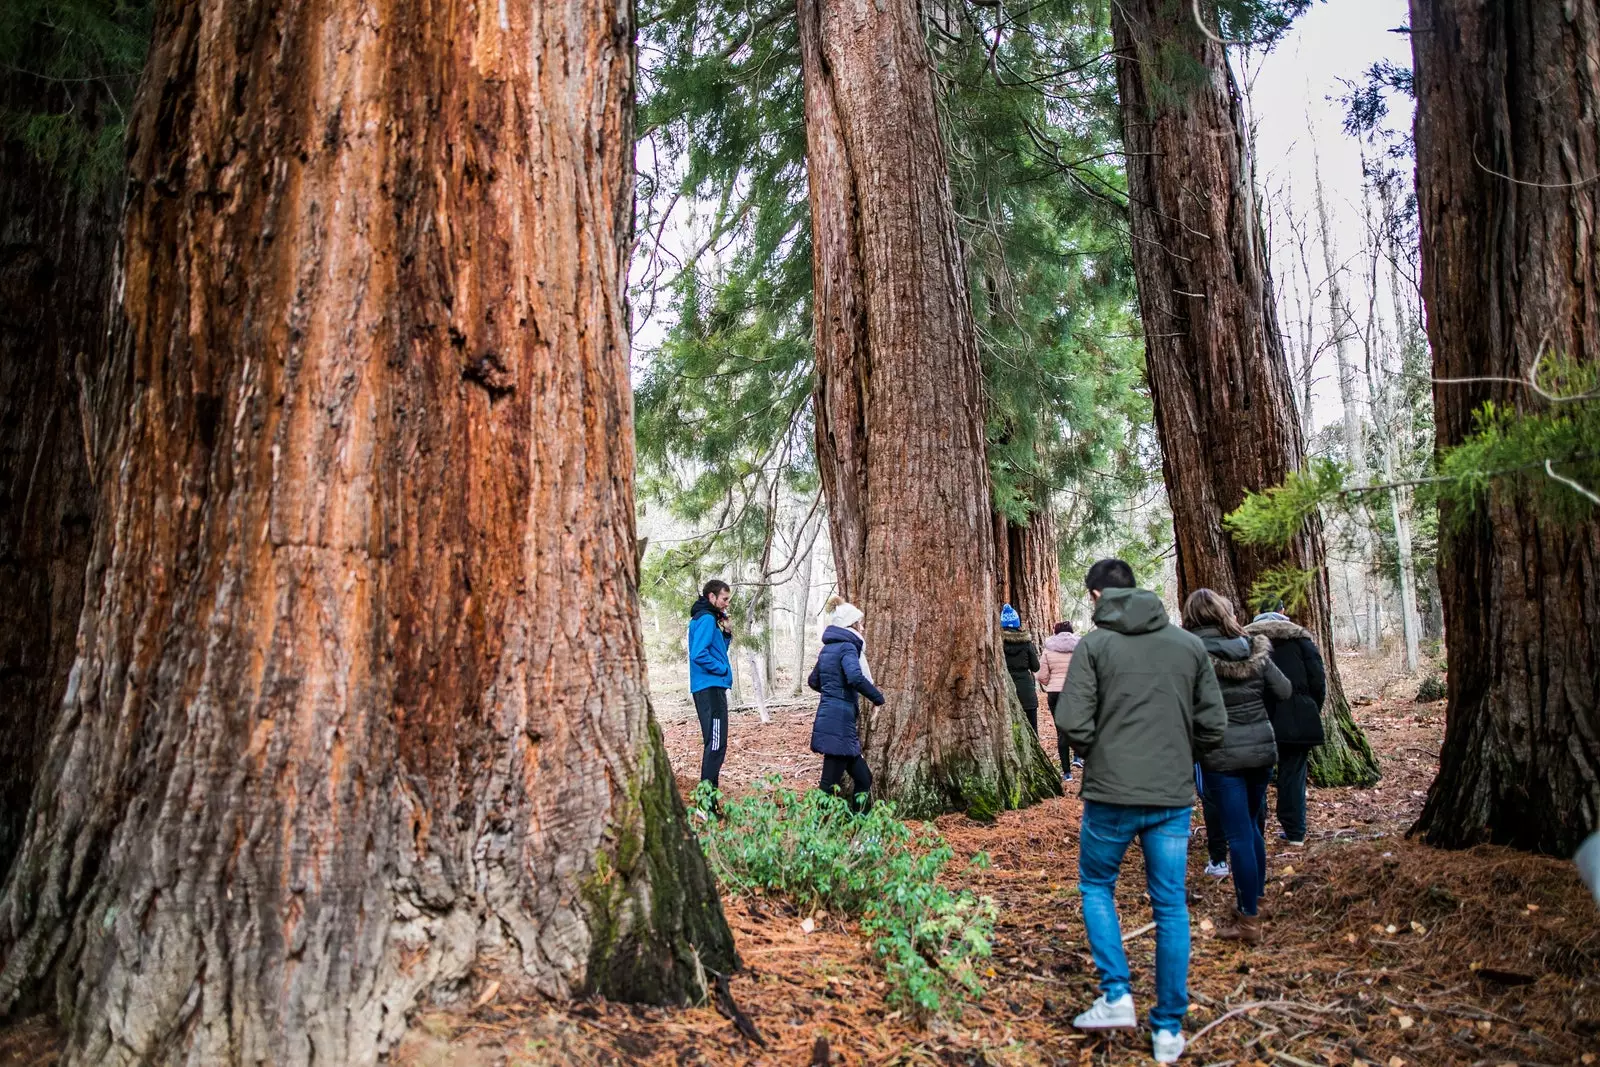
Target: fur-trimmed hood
{"x":1275,"y":630}
{"x":1237,"y":659}
{"x":1014,"y":637}
{"x":1062,"y":642}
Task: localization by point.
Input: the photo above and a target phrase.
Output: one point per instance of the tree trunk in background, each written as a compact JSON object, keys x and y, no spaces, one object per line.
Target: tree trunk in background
{"x":1034,"y":571}
{"x":337,"y":739}
{"x":1507,"y":153}
{"x":57,"y":241}
{"x":899,"y":409}
{"x":1218,"y":379}
{"x":802,"y":617}
{"x":1355,"y":444}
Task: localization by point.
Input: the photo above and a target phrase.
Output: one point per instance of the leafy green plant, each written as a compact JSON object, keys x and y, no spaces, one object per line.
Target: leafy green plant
{"x":816,"y":850}
{"x":1431,"y":690}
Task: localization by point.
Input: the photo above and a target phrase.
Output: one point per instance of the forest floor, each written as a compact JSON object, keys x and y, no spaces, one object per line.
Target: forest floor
{"x":1380,"y":949}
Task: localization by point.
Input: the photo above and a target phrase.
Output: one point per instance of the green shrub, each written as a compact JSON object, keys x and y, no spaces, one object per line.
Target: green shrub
{"x":815,"y":850}
{"x":1431,"y":690}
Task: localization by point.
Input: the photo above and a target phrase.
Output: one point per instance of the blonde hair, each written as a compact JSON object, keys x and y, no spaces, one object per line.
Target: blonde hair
{"x":1207,"y":607}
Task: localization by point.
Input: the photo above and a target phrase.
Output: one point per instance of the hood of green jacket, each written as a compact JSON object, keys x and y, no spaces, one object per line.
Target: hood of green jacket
{"x":1130,"y":611}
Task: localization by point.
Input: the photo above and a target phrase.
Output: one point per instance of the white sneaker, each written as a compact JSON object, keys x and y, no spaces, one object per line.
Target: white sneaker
{"x":1166,"y":1046}
{"x":1218,"y":870}
{"x":1108,"y":1014}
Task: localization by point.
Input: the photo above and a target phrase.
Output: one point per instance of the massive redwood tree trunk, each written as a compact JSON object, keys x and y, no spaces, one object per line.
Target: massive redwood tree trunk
{"x":899,"y":409}
{"x":57,"y":238}
{"x":1218,"y":376}
{"x":360,"y":705}
{"x":1507,"y":157}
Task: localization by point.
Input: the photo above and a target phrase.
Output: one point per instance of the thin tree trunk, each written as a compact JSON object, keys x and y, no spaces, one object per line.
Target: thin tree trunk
{"x":1355,"y":445}
{"x":802,"y":615}
{"x":899,"y":410}
{"x":360,"y":706}
{"x":1218,"y":378}
{"x":56,"y":254}
{"x":1507,"y":154}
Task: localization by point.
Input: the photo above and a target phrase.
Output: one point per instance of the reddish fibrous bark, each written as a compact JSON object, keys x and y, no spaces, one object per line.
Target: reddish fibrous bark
{"x":360,"y":706}
{"x":899,"y":411}
{"x":1507,"y":158}
{"x":1219,"y":380}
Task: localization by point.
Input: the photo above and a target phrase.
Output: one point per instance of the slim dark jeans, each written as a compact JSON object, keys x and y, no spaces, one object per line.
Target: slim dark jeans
{"x":1063,"y":746}
{"x":834,"y":768}
{"x":1216,"y":837}
{"x":1292,"y":762}
{"x":1238,"y":798}
{"x":712,"y":707}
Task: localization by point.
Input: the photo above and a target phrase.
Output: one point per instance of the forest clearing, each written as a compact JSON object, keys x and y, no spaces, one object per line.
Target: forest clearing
{"x":799,"y":531}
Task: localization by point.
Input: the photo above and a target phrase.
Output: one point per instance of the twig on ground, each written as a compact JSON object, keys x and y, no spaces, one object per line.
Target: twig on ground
{"x":1131,"y":934}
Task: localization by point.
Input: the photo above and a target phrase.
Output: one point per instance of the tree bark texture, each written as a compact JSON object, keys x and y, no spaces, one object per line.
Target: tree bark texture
{"x":57,"y":241}
{"x":1507,"y":157}
{"x":339,"y":735}
{"x":1033,"y":570}
{"x":1219,"y":381}
{"x":899,"y":411}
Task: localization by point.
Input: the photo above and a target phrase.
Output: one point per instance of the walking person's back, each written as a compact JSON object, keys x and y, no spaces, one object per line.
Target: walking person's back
{"x":1053,"y":664}
{"x":1296,"y":720}
{"x":1141,"y":701}
{"x":1022,"y":661}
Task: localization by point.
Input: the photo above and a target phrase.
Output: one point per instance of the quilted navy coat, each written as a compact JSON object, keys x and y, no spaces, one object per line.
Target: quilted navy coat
{"x":837,"y":676}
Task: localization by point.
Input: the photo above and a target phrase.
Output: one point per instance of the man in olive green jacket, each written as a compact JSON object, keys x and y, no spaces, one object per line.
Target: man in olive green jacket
{"x":1142,"y":702}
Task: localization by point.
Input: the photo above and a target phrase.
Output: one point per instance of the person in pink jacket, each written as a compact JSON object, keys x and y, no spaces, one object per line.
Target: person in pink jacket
{"x":1052,"y":676}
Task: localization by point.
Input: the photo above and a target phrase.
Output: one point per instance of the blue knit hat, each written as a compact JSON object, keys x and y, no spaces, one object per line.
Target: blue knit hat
{"x":1009,"y":619}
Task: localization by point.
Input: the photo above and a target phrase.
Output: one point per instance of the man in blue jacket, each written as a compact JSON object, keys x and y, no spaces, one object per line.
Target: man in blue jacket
{"x":710,"y":673}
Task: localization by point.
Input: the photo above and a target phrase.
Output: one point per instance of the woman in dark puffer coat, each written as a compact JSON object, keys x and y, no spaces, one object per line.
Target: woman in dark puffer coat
{"x":840,"y":675}
{"x":1022,"y":662}
{"x":1237,"y":770}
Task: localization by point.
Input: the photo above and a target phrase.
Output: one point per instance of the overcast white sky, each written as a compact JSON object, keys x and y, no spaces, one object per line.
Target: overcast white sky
{"x":1294,"y":93}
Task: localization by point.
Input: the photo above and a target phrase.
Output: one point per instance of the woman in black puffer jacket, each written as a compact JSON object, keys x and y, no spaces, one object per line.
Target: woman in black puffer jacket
{"x":1237,"y":770}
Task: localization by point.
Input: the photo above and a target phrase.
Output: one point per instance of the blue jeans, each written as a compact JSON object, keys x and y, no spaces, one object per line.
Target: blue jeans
{"x":1103,"y":839}
{"x":1240,"y":798}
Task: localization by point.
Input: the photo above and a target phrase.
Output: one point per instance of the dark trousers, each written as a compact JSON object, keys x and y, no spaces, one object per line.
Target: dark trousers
{"x":1292,"y":762}
{"x":1238,"y":797}
{"x":712,"y":707}
{"x":1216,"y":836}
{"x":1063,"y":746}
{"x":834,"y":769}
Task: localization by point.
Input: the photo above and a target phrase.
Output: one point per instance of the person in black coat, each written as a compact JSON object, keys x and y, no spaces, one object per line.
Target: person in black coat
{"x":1022,"y":662}
{"x":1296,"y":720}
{"x":842,"y":676}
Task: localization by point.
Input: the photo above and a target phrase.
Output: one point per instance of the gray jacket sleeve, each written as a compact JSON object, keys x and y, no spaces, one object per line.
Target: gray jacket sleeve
{"x":1278,"y":682}
{"x":1210,"y":713}
{"x":1076,"y":706}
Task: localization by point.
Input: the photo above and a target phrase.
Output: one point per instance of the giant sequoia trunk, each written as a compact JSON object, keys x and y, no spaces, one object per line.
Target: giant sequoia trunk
{"x":337,"y":736}
{"x":1507,"y":158}
{"x":1218,"y":377}
{"x":56,"y":243}
{"x":899,"y":410}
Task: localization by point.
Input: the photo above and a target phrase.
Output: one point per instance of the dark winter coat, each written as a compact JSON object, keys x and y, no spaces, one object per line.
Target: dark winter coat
{"x":1022,"y":660}
{"x":1297,"y":720}
{"x":1141,"y":703}
{"x":1245,"y":672}
{"x":837,"y":676}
